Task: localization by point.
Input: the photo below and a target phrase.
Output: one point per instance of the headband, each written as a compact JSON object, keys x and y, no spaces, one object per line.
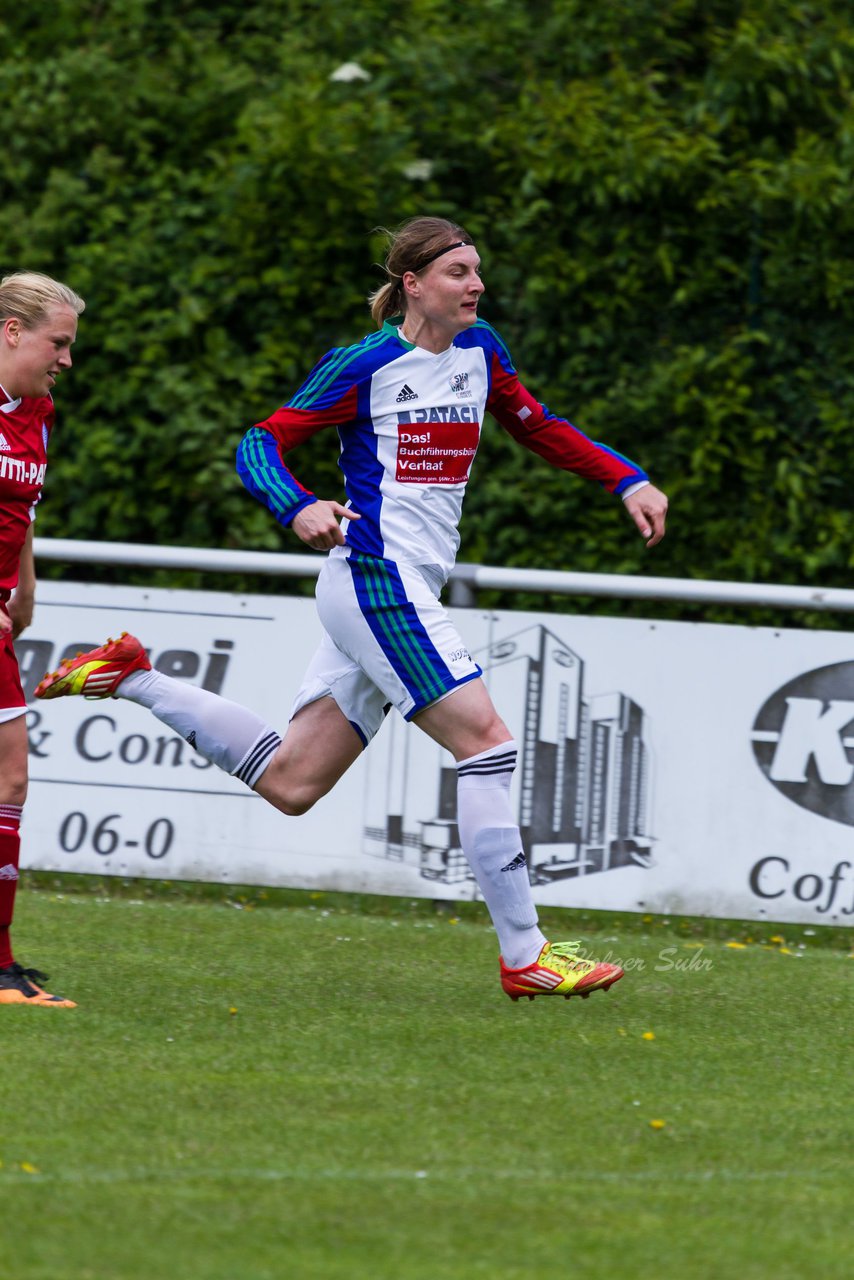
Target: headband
{"x":458,"y":244}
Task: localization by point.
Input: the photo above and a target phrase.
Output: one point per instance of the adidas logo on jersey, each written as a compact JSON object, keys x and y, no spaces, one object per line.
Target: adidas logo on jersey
{"x":405,"y":393}
{"x":9,"y":872}
{"x":4,"y":443}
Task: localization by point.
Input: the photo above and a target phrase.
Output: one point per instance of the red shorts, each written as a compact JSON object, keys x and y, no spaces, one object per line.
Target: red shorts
{"x":11,"y":693}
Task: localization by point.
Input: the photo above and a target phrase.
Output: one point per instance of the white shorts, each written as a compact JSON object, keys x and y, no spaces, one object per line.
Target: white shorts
{"x":387,"y":642}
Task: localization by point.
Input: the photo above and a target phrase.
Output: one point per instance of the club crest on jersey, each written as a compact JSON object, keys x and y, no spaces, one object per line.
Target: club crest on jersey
{"x":460,"y":384}
{"x":405,"y":393}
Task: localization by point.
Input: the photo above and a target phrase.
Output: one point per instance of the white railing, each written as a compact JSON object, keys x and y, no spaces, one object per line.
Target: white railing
{"x":466,"y":579}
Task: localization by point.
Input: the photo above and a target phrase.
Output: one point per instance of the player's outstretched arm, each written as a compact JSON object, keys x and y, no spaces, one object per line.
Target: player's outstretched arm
{"x":317,"y":524}
{"x":648,"y":509}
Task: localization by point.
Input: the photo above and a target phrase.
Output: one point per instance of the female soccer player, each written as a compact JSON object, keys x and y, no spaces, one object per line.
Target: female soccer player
{"x":408,"y":403}
{"x":38,"y":316}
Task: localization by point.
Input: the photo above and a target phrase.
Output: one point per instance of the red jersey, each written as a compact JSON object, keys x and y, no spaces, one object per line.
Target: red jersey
{"x":25,"y":427}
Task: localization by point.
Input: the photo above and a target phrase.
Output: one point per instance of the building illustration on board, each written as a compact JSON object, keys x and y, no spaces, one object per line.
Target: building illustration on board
{"x":581,"y":791}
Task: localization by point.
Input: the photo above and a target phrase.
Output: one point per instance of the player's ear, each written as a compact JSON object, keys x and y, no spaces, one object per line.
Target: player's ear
{"x":12,"y":331}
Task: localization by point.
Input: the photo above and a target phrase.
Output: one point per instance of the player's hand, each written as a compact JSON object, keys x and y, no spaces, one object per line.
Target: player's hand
{"x":648,"y":509}
{"x":317,"y":525}
{"x":21,"y":608}
{"x":5,"y":623}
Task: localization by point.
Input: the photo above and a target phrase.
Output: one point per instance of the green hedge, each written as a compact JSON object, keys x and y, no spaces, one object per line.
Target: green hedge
{"x":661,"y":193}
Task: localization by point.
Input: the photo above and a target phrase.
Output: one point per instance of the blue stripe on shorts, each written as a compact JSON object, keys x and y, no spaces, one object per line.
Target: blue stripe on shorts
{"x":399,"y":632}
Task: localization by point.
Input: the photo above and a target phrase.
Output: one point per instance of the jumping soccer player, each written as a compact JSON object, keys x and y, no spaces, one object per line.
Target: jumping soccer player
{"x":38,"y":316}
{"x":408,"y":403}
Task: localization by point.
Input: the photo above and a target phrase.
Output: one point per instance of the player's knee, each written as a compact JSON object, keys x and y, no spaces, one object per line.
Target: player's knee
{"x":288,"y":799}
{"x":492,"y":733}
{"x":13,"y":788}
{"x":298,"y":803}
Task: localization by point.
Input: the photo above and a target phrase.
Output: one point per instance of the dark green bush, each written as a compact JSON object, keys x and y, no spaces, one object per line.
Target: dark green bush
{"x":661,"y":194}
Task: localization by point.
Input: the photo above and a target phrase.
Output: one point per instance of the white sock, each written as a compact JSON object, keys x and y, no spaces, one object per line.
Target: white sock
{"x":493,"y":846}
{"x":229,"y":735}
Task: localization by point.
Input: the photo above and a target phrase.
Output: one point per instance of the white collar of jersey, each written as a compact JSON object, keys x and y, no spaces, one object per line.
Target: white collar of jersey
{"x":11,"y":405}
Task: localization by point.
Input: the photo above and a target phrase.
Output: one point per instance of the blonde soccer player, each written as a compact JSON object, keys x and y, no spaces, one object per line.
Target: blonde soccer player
{"x":38,"y":324}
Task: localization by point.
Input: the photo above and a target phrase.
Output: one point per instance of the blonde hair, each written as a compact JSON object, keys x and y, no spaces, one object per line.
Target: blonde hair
{"x":412,"y":247}
{"x":29,"y":296}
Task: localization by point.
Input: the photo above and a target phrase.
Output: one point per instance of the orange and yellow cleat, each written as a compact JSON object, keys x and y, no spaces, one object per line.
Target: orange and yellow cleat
{"x":98,"y":673}
{"x":559,"y":971}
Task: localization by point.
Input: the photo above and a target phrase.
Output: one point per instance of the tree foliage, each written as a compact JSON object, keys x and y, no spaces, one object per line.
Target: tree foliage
{"x":661,"y":194}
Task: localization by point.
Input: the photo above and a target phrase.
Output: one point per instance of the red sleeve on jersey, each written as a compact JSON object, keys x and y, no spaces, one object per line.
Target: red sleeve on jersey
{"x":291,"y":427}
{"x":555,"y":439}
{"x":260,"y":454}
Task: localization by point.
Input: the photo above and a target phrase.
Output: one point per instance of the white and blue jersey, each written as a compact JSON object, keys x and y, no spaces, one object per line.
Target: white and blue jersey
{"x":409,"y":424}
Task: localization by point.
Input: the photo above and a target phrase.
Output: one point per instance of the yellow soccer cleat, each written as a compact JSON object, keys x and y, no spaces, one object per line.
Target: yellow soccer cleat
{"x":98,"y":673}
{"x":559,"y":971}
{"x":21,"y":986}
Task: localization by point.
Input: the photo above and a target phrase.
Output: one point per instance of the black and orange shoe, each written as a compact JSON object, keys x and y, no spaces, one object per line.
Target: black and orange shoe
{"x":21,"y":986}
{"x":98,"y":673}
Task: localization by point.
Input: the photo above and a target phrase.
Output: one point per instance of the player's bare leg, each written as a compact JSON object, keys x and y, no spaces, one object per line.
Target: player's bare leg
{"x":13,"y":760}
{"x":319,"y":747}
{"x":465,"y":722}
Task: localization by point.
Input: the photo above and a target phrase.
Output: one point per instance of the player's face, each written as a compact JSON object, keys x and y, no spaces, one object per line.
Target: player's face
{"x":39,"y":355}
{"x":446,"y":295}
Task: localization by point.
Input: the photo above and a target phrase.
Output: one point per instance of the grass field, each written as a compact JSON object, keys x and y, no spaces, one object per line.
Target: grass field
{"x":315,"y":1086}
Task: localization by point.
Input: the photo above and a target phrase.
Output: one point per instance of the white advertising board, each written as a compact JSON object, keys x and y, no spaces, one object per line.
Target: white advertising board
{"x":663,"y":767}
